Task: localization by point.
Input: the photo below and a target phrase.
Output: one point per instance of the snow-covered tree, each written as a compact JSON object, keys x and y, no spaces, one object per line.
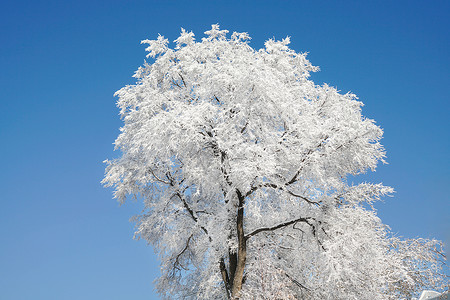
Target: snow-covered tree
{"x":242,"y":162}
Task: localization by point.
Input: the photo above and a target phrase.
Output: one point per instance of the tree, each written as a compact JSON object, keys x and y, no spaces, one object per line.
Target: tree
{"x":242,"y":162}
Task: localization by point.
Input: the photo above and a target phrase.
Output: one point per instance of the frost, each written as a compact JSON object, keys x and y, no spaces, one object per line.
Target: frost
{"x":157,"y":46}
{"x":215,"y":33}
{"x":185,"y":38}
{"x":242,"y":161}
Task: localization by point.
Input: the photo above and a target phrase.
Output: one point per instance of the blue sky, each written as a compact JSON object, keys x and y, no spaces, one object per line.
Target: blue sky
{"x":62,"y":234}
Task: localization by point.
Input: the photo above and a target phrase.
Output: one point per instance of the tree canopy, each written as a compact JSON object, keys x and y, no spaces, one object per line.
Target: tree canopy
{"x":242,"y":162}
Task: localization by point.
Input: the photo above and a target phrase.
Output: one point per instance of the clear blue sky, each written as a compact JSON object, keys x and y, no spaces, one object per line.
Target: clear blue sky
{"x":62,"y":234}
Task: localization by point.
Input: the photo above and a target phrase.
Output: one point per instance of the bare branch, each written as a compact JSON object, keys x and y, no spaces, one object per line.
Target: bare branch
{"x":282,"y":188}
{"x":182,"y":79}
{"x":273,"y":228}
{"x":157,"y":178}
{"x":302,"y":197}
{"x":245,"y":127}
{"x":225,"y":277}
{"x":175,"y":83}
{"x":296,"y":282}
{"x":177,"y":258}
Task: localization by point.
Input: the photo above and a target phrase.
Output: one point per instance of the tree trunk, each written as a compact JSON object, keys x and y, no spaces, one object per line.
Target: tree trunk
{"x":242,"y":250}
